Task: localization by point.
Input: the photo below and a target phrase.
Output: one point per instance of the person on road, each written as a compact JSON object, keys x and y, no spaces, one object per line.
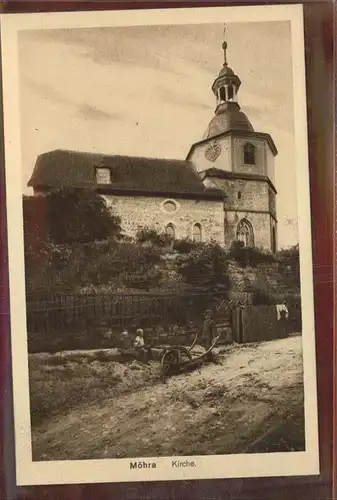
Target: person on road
{"x":208,"y":333}
{"x":282,"y":319}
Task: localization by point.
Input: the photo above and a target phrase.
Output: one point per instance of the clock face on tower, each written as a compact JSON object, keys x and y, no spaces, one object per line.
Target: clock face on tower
{"x":213,"y":151}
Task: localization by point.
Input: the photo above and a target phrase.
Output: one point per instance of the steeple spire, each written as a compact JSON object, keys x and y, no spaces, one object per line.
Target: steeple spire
{"x":224,"y":45}
{"x":227,"y":84}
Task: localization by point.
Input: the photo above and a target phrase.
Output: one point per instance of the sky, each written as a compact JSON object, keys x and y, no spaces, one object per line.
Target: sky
{"x":146,"y":91}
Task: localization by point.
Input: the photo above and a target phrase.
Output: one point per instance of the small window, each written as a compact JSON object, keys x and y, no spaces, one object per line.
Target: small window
{"x":249,"y":154}
{"x":230,"y":92}
{"x":196,"y":233}
{"x":239,"y":195}
{"x":103,"y":176}
{"x":170,"y":231}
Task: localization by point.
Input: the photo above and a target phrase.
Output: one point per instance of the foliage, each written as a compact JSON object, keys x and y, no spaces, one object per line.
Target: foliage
{"x":68,"y":215}
{"x":261,"y":295}
{"x":95,"y":264}
{"x":249,"y":256}
{"x":184,"y":245}
{"x":80,"y":215}
{"x":151,"y":235}
{"x":289,"y":263}
{"x":206,"y":266}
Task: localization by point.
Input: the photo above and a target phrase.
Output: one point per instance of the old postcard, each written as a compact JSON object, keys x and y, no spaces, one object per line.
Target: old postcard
{"x":161,"y":292}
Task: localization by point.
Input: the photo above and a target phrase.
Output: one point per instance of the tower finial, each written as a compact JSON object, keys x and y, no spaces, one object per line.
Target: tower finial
{"x":224,"y":45}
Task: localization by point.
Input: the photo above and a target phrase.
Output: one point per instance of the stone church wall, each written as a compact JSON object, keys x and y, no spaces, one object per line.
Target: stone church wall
{"x":261,"y":226}
{"x":140,"y":211}
{"x":260,"y":168}
{"x":244,"y":194}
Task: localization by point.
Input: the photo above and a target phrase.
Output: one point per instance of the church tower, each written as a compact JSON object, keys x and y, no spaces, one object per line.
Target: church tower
{"x":234,"y":157}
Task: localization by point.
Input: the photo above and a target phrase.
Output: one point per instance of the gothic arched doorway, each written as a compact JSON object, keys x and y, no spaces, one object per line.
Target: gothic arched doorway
{"x":245,"y":233}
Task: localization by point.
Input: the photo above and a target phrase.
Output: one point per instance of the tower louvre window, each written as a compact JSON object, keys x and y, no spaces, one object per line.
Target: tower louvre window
{"x":239,"y":195}
{"x":222,"y":93}
{"x":249,"y":156}
{"x":103,"y":176}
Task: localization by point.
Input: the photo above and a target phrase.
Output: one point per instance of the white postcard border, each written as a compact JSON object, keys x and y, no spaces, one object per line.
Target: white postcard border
{"x":118,"y":470}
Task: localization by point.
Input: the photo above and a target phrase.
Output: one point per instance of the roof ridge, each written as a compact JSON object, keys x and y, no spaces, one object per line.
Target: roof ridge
{"x":111,"y":155}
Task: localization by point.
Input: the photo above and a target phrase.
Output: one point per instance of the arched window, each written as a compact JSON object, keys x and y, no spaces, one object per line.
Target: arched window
{"x":222,"y":93}
{"x":245,"y":233}
{"x":196,"y":232}
{"x":230,"y":92}
{"x":249,"y":154}
{"x":170,"y":231}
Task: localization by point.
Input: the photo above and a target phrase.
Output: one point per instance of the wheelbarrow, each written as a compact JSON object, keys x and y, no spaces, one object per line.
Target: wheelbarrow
{"x":178,"y":359}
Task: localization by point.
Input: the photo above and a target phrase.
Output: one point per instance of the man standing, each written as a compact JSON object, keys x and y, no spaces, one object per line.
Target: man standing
{"x":208,"y":333}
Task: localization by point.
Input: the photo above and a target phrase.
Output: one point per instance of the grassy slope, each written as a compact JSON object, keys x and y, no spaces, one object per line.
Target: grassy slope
{"x":252,"y":401}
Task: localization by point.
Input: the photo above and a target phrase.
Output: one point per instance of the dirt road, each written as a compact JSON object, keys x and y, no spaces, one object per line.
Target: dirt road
{"x":251,"y":401}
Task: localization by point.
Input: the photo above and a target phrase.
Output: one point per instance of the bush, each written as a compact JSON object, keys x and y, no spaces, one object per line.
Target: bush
{"x":289,"y":264}
{"x":250,"y":256}
{"x":96,"y":264}
{"x":206,"y":266}
{"x":262,"y":296}
{"x":150,"y":235}
{"x":184,"y":246}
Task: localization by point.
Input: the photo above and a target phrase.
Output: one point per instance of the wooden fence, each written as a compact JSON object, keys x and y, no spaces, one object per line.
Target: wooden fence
{"x":260,"y":323}
{"x":60,"y":321}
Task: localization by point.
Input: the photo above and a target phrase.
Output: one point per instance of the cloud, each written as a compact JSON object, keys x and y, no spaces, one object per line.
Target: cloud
{"x":181,"y":99}
{"x":84,"y":109}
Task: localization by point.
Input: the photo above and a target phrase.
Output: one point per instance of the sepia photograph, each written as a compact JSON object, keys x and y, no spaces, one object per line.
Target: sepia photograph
{"x":160,"y":246}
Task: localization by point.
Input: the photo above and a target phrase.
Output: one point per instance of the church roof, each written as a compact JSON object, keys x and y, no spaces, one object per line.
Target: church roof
{"x":232,"y":118}
{"x":63,"y":168}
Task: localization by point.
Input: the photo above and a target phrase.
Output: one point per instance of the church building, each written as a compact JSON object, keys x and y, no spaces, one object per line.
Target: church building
{"x":224,"y":190}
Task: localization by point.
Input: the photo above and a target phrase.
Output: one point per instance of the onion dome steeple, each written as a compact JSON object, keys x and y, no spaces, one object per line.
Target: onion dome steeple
{"x":227,"y":113}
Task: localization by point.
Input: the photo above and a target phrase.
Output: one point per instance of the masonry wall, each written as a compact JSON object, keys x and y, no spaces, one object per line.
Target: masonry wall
{"x":231,"y":157}
{"x":261,"y":223}
{"x":270,"y":159}
{"x":140,"y":211}
{"x":244,"y":194}
{"x":238,"y":163}
{"x":223,"y":161}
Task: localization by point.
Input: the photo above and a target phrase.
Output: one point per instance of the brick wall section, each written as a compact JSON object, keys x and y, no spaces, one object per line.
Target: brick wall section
{"x":138,"y":211}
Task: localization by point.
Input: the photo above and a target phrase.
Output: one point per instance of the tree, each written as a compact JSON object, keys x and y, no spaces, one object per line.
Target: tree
{"x":80,"y":216}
